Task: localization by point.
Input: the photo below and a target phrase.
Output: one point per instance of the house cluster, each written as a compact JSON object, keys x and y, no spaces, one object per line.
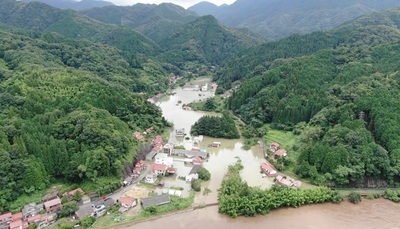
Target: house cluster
{"x":140,"y":136}
{"x":270,"y":170}
{"x":163,"y":163}
{"x":277,"y":150}
{"x":137,"y":170}
{"x":42,"y":214}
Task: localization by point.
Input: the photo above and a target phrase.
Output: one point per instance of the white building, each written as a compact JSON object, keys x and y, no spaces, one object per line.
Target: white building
{"x":164,"y":159}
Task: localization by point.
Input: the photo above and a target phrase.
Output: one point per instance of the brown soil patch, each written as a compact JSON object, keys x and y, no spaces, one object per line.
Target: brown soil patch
{"x":137,"y":193}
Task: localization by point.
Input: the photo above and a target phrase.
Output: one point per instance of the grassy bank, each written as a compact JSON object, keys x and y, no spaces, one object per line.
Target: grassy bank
{"x":116,"y":218}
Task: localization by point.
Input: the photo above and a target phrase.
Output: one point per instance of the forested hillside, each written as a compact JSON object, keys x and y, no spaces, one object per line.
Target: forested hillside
{"x":67,"y":111}
{"x":276,"y":19}
{"x":72,"y":4}
{"x":337,"y":90}
{"x":154,"y":21}
{"x":205,"y":42}
{"x":44,"y":18}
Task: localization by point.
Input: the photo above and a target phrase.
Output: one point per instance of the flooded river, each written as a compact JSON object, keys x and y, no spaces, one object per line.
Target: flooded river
{"x":368,"y":214}
{"x":219,"y":158}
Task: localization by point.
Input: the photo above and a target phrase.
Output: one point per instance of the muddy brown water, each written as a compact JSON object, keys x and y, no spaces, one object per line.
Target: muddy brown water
{"x":219,"y":158}
{"x":368,"y":214}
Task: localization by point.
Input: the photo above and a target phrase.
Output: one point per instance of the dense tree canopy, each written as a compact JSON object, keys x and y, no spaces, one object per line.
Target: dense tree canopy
{"x":67,"y":111}
{"x":214,"y":126}
{"x":338,"y":94}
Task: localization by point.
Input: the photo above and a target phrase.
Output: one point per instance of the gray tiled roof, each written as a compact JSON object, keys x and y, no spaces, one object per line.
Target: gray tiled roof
{"x":156,"y":200}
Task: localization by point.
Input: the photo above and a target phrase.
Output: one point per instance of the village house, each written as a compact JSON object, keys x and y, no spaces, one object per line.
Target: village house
{"x":127,"y":181}
{"x":197,"y":140}
{"x":99,"y":207}
{"x":31,"y":210}
{"x":149,"y":130}
{"x":287,"y":181}
{"x":139,"y":166}
{"x":72,"y":193}
{"x":162,"y":158}
{"x":5,"y":219}
{"x":193,"y":174}
{"x":171,"y":170}
{"x":186,"y":107}
{"x":268,"y":169}
{"x":84,"y":210}
{"x":138,"y":136}
{"x":126,"y":203}
{"x":216,"y":144}
{"x":197,"y":161}
{"x":156,"y":200}
{"x":150,"y":178}
{"x":180,"y":132}
{"x":42,"y":220}
{"x":50,"y":196}
{"x":280,"y":153}
{"x":168,"y":148}
{"x":19,"y":224}
{"x":158,"y":169}
{"x":274,"y":147}
{"x":53,"y":205}
{"x":202,"y":153}
{"x":17,"y":216}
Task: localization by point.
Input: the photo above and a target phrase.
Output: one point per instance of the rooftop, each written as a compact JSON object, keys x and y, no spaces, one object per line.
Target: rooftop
{"x":158,"y":167}
{"x":195,"y":169}
{"x":156,"y":200}
{"x":51,"y":203}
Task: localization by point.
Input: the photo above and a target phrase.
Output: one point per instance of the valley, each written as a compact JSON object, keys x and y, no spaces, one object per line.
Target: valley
{"x":121,"y":115}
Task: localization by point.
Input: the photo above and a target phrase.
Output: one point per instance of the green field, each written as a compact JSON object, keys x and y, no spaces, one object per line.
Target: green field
{"x":285,"y":138}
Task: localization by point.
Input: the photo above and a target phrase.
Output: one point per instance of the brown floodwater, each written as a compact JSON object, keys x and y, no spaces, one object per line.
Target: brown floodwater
{"x":219,"y":158}
{"x":368,"y":214}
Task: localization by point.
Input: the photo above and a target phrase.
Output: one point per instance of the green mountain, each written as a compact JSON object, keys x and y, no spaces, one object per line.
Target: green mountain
{"x":275,"y":19}
{"x":72,"y":4}
{"x":152,"y":20}
{"x":44,"y":18}
{"x":67,"y":111}
{"x":205,"y":42}
{"x":338,"y":90}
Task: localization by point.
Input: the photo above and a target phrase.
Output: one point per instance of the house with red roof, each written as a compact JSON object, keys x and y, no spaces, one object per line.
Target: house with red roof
{"x":17,"y":216}
{"x":280,"y":153}
{"x":171,"y":170}
{"x":274,"y":147}
{"x":19,"y":224}
{"x":127,"y":203}
{"x":158,"y":169}
{"x":5,"y":219}
{"x":53,"y":205}
{"x":268,"y":169}
{"x":197,"y":161}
